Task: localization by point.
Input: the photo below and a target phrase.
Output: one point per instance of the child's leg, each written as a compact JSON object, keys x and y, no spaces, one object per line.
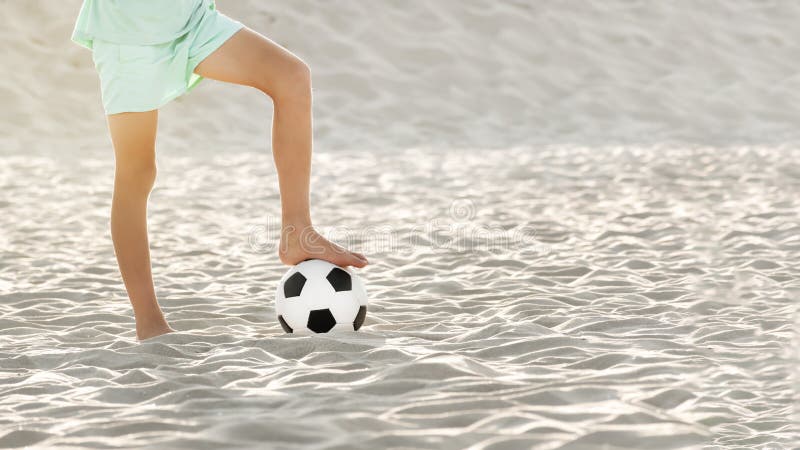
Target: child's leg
{"x":251,"y":59}
{"x":134,"y":137}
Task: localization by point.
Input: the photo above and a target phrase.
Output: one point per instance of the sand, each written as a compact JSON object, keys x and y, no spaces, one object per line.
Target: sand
{"x":603,"y":257}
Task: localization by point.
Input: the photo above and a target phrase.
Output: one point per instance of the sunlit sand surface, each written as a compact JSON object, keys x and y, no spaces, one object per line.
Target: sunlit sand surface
{"x":652,"y":299}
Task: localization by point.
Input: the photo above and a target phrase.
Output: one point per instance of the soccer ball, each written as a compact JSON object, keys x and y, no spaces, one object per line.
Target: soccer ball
{"x":316,"y":296}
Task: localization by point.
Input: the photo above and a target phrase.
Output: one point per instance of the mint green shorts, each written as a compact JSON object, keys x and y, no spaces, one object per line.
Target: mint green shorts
{"x":146,"y":77}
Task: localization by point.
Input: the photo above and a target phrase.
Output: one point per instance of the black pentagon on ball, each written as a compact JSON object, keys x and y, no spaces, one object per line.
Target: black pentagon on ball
{"x":362,"y":314}
{"x":321,"y":321}
{"x":340,"y":280}
{"x":285,"y":325}
{"x":294,"y":285}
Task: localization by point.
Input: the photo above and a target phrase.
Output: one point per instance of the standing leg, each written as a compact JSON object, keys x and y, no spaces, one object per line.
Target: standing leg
{"x":251,"y":59}
{"x":134,"y":137}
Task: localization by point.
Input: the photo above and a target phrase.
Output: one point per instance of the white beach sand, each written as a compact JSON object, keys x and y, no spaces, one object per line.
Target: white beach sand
{"x":582,"y":218}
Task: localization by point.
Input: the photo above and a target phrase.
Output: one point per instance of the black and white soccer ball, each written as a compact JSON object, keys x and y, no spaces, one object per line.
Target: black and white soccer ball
{"x":316,"y":296}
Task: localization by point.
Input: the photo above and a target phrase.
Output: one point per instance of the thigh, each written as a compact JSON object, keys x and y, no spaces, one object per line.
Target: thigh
{"x":133,"y":135}
{"x":250,"y":59}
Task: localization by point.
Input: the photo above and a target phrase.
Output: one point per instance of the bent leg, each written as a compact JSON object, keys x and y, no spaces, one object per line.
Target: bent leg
{"x":133,"y":136}
{"x":251,"y":59}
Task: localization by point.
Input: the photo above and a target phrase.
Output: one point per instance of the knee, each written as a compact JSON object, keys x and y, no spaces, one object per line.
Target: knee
{"x":138,"y":176}
{"x":294,"y":85}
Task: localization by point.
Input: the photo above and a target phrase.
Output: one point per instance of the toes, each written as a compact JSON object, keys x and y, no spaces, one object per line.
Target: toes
{"x":361,"y":257}
{"x":360,"y":262}
{"x":352,"y":260}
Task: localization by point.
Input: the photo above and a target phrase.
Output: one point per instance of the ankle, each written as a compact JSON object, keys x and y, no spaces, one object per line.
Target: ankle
{"x":152,"y":319}
{"x":298,"y":234}
{"x":296,"y":221}
{"x":149,"y":332}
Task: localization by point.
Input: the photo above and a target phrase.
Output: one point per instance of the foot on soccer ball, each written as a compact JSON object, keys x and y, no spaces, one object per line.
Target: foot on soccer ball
{"x":300,"y":244}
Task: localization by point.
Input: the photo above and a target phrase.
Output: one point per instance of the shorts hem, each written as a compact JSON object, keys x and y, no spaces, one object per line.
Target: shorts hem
{"x":221,"y":39}
{"x":159,"y":105}
{"x":194,"y":79}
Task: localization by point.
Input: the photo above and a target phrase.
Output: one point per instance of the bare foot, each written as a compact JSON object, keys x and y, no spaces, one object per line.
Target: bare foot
{"x":152,"y":330}
{"x":301,"y":243}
